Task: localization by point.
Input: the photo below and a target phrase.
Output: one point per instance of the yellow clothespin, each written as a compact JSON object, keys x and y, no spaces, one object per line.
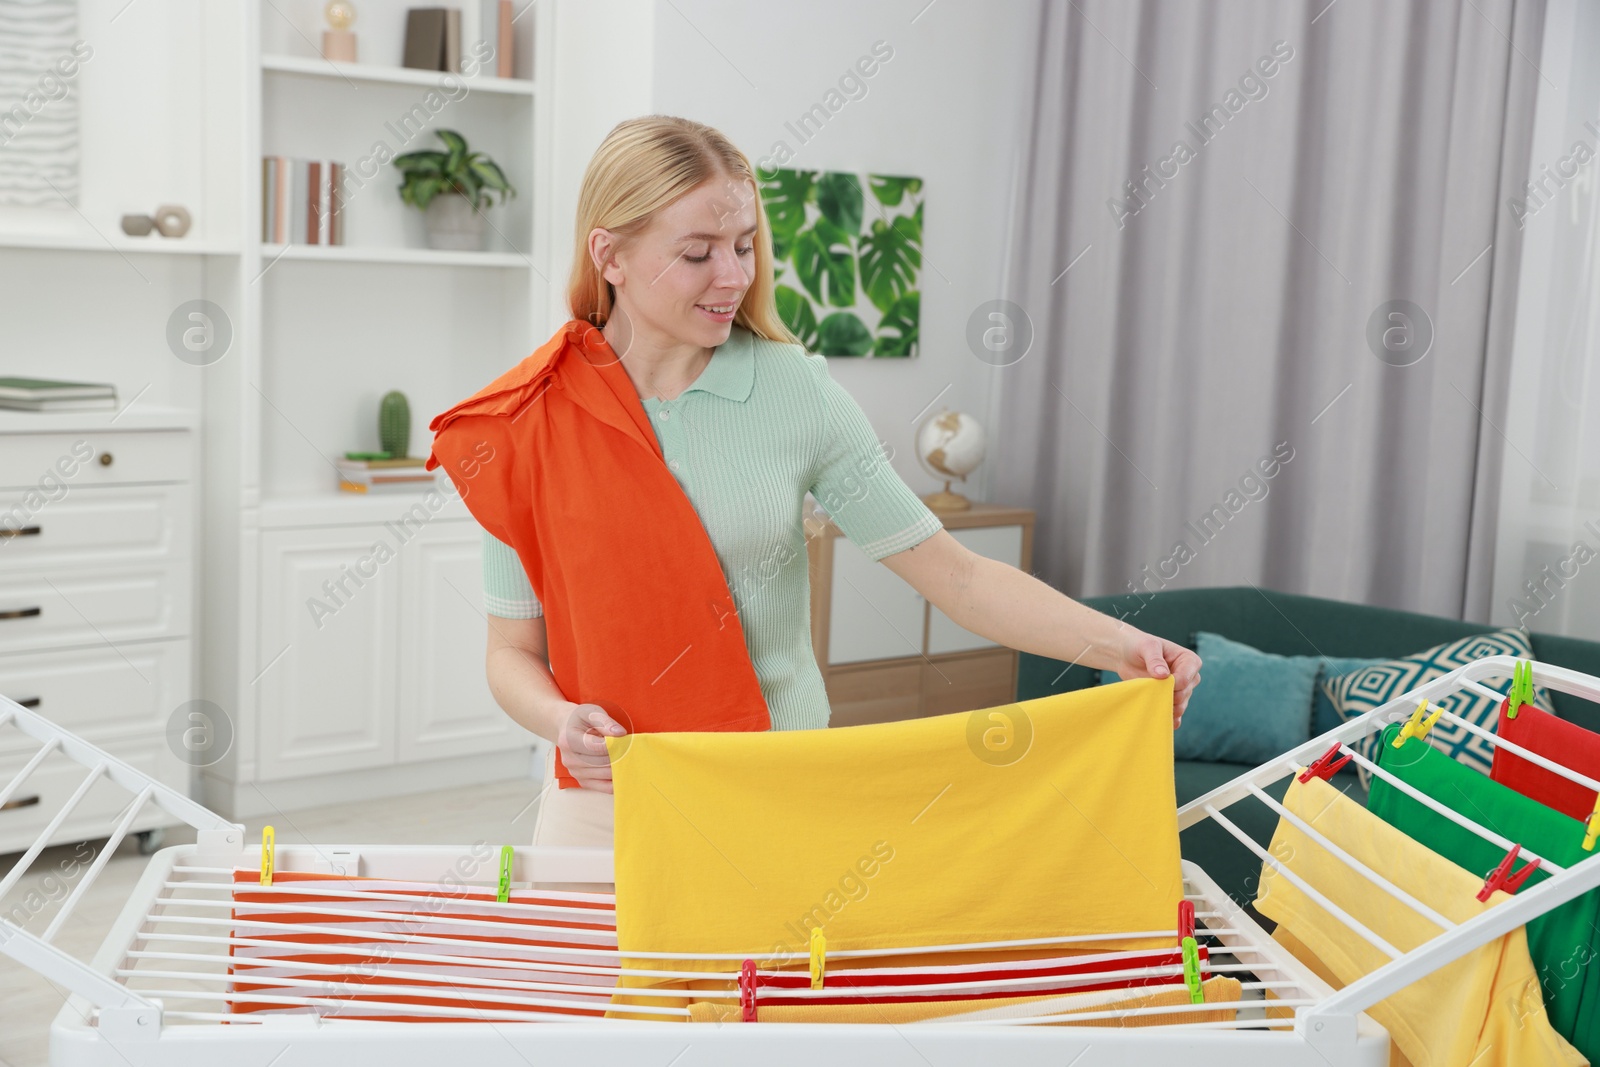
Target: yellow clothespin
{"x":1417,"y":726}
{"x":1592,"y":831}
{"x":269,"y":845}
{"x":819,"y":957}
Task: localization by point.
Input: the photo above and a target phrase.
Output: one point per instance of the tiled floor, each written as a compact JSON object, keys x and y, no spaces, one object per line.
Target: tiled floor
{"x":500,"y":812}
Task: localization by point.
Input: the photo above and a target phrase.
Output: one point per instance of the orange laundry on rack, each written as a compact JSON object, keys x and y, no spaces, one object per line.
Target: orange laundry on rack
{"x":1484,"y":1009}
{"x":1566,"y":743}
{"x":1053,"y":817}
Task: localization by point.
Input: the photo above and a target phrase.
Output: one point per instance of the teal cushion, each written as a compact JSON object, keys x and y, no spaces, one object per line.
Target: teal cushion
{"x":1360,"y":691}
{"x":1324,"y":715}
{"x":1249,"y":706}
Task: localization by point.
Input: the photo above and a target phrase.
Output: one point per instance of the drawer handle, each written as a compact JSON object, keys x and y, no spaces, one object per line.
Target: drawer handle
{"x":30,"y":702}
{"x":21,"y":613}
{"x":26,"y":531}
{"x":20,"y":802}
{"x":105,"y":459}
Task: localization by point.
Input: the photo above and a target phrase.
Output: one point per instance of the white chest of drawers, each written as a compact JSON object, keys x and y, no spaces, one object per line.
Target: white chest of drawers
{"x":97,"y":583}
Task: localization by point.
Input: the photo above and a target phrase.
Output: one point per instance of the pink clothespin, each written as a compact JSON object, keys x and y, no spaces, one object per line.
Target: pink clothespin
{"x":1502,"y":878}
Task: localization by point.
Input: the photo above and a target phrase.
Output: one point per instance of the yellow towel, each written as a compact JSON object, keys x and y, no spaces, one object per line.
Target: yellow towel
{"x":1484,"y":1009}
{"x":1214,"y":989}
{"x":1047,"y":818}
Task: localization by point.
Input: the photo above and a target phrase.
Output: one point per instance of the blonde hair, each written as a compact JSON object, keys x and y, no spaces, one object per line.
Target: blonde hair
{"x":643,"y":165}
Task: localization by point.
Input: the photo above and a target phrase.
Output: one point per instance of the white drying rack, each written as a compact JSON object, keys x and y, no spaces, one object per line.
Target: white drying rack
{"x":165,"y":987}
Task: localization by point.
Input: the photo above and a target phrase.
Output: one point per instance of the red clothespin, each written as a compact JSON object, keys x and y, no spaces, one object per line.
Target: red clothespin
{"x":1185,"y":919}
{"x":1325,"y":766}
{"x":1502,"y":878}
{"x":747,"y":991}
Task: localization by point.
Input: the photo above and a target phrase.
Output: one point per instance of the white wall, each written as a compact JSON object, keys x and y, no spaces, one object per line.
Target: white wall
{"x":946,"y":107}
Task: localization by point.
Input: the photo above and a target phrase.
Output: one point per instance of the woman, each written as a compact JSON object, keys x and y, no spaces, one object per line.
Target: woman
{"x":675,"y":364}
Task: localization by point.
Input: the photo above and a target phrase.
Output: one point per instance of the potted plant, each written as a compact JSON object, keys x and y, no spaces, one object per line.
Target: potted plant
{"x":452,"y":188}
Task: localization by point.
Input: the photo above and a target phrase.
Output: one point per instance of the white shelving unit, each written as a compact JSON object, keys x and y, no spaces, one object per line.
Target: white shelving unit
{"x":345,"y":632}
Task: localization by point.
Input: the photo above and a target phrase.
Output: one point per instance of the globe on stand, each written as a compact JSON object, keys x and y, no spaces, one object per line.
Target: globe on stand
{"x":949,"y":446}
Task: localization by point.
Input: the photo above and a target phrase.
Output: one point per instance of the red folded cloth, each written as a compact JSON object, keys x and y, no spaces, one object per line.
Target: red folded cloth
{"x":1555,"y":739}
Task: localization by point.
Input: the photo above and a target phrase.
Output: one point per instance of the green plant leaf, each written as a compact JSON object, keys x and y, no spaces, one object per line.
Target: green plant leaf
{"x":839,"y":197}
{"x":457,"y":146}
{"x":891,"y":255}
{"x":795,"y":311}
{"x":898,"y":330}
{"x":842,"y":334}
{"x":426,"y":161}
{"x":785,"y":197}
{"x":889,"y":191}
{"x":826,"y":264}
{"x":490,"y":176}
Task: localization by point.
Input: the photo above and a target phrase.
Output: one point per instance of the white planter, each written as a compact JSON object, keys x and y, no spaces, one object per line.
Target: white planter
{"x":453,"y":225}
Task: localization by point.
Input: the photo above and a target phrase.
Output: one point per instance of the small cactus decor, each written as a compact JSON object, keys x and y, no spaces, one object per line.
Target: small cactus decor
{"x":394,"y":424}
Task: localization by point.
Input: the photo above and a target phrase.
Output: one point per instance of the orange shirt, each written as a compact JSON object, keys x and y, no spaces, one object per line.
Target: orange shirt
{"x":557,"y":459}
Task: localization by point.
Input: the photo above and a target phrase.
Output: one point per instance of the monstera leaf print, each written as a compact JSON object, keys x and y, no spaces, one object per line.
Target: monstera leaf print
{"x":847,"y":259}
{"x":825,"y":259}
{"x":795,"y":311}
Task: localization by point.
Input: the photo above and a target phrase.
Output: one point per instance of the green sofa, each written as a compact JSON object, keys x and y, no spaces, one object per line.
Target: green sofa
{"x":1289,"y":625}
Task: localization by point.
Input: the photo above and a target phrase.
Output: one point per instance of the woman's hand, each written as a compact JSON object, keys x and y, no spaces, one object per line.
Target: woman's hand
{"x":1147,"y":656}
{"x":582,"y":745}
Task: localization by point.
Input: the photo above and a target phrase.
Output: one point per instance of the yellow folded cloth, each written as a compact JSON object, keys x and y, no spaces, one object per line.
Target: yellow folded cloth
{"x":1217,"y":989}
{"x":1484,"y":1009}
{"x":1053,"y":817}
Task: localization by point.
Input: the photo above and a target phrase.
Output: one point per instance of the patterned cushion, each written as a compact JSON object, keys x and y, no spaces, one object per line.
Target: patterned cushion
{"x":1358,"y":692}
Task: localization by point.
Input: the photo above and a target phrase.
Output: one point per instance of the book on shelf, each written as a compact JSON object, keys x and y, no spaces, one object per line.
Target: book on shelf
{"x":301,"y":201}
{"x":390,"y":475}
{"x":433,"y":38}
{"x":50,"y":394}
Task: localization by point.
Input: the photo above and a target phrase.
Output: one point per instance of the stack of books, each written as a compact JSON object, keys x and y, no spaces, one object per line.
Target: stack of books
{"x":368,"y":473}
{"x":476,"y":39}
{"x":302,"y":201}
{"x":47,"y":394}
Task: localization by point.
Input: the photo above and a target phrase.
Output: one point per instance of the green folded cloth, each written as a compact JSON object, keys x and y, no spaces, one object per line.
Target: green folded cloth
{"x":1564,"y":942}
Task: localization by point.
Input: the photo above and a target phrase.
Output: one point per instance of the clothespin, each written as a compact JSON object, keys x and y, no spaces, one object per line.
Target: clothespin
{"x":1417,"y":726}
{"x":503,"y":893}
{"x":1191,"y":951}
{"x":1325,"y":766}
{"x":269,"y":848}
{"x":1502,"y":878}
{"x":747,"y":991}
{"x":1592,"y":829}
{"x":819,"y":957}
{"x":1521,"y":691}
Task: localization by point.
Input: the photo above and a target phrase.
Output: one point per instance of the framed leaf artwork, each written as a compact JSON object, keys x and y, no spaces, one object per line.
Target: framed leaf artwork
{"x":847,"y":251}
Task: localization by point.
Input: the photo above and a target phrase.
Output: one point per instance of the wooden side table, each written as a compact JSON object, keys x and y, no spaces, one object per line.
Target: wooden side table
{"x":885,"y":652}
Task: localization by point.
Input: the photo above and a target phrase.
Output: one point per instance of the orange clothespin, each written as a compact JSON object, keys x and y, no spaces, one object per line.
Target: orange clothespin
{"x":1417,"y":726}
{"x":1325,"y":766}
{"x":1502,"y":878}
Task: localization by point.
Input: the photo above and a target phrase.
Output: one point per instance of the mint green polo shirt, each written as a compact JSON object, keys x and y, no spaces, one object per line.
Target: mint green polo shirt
{"x":763,"y":425}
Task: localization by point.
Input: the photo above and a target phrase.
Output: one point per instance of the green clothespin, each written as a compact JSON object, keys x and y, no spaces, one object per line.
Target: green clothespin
{"x":504,"y":893}
{"x":1521,"y":687}
{"x":1191,"y":970}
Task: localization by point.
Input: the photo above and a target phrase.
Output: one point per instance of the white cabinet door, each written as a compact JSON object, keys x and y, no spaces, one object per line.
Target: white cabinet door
{"x":1003,"y":543}
{"x":873,"y":614}
{"x":445,"y":705}
{"x":330,"y":609}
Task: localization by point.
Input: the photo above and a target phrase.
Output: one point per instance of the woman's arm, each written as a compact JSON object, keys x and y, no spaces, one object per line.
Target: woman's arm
{"x":997,"y":601}
{"x":517,"y":663}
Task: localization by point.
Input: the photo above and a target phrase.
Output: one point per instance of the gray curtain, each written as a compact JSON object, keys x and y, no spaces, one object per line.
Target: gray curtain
{"x":1219,"y":389}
